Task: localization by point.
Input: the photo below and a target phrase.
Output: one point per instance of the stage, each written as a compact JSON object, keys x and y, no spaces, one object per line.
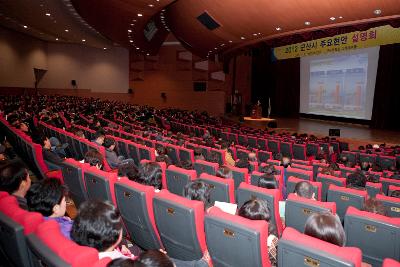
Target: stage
{"x":355,"y":134}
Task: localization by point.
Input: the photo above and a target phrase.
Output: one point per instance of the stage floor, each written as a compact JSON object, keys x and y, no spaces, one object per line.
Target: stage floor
{"x":355,"y":134}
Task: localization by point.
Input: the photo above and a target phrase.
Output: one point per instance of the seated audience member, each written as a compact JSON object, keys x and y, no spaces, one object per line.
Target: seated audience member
{"x":185,"y":164}
{"x":162,"y":155}
{"x":111,"y":156}
{"x":375,"y":206}
{"x":269,"y":169}
{"x":94,"y":158}
{"x":80,"y":133}
{"x":268,"y":182}
{"x":150,"y":173}
{"x":364,"y":166}
{"x":15,"y":180}
{"x":98,"y":138}
{"x":244,"y":164}
{"x":252,"y":157}
{"x":3,"y":157}
{"x":228,"y":156}
{"x":48,"y":198}
{"x":57,"y":147}
{"x":327,"y":227}
{"x":356,"y":180}
{"x":224,"y":172}
{"x":48,"y":154}
{"x":213,"y":157}
{"x":154,"y":258}
{"x":99,"y":225}
{"x":198,"y":154}
{"x":304,"y":189}
{"x":128,"y":170}
{"x":395,"y":193}
{"x":258,"y":210}
{"x":285,"y":162}
{"x":198,"y":190}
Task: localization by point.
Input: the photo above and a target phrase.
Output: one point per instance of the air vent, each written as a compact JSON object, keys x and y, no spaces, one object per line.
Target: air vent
{"x":208,"y":21}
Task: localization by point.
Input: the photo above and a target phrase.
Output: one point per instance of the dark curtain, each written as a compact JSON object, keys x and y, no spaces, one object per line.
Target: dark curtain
{"x":386,"y":109}
{"x":278,"y":80}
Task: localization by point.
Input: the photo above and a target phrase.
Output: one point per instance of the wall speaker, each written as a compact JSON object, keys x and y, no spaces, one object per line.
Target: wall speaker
{"x":130,"y":91}
{"x":163,"y":95}
{"x":334,"y":132}
{"x":73,"y":82}
{"x":208,"y":21}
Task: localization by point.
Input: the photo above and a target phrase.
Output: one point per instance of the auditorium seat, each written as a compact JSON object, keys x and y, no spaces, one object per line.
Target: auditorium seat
{"x":15,"y":223}
{"x":312,"y":149}
{"x":242,"y":154}
{"x":236,"y":241}
{"x":391,"y":204}
{"x":133,"y":152}
{"x":163,"y":167}
{"x":247,"y":192}
{"x":73,"y":173}
{"x":146,"y":152}
{"x":239,"y":175}
{"x":262,"y":143}
{"x":327,"y":180}
{"x":180,"y":222}
{"x":252,"y":141}
{"x":220,"y":154}
{"x":274,"y":146}
{"x":186,"y":154}
{"x":298,"y":209}
{"x":376,"y":235}
{"x":135,"y":202}
{"x":345,"y":198}
{"x":100,"y":184}
{"x":299,"y":151}
{"x":297,"y":249}
{"x":264,"y":156}
{"x":386,"y":161}
{"x":390,"y":263}
{"x":386,"y":182}
{"x":204,"y":166}
{"x":392,"y":188}
{"x":351,"y":156}
{"x":302,"y":164}
{"x":299,"y":173}
{"x":220,"y":189}
{"x":373,"y":189}
{"x":292,"y":182}
{"x":286,"y":149}
{"x":367,"y":157}
{"x":178,"y":178}
{"x":255,"y":178}
{"x":173,"y":153}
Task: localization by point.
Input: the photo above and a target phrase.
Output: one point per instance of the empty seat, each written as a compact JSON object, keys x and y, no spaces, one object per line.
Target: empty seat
{"x":178,"y":178}
{"x":386,"y":161}
{"x":264,"y":156}
{"x":298,"y":209}
{"x":146,"y":153}
{"x":297,"y":249}
{"x":186,"y":154}
{"x":220,"y":189}
{"x":373,"y":189}
{"x":173,"y":153}
{"x":135,"y":202}
{"x":246,"y":192}
{"x":292,"y":182}
{"x":204,"y":166}
{"x":299,"y":173}
{"x":72,"y":171}
{"x":327,"y":180}
{"x":299,"y":151}
{"x":377,"y":236}
{"x":345,"y":198}
{"x":236,"y":241}
{"x":180,"y":222}
{"x":273,"y":146}
{"x":391,"y":204}
{"x":239,"y":175}
{"x":100,"y":184}
{"x":220,"y":154}
{"x":286,"y":149}
{"x":242,"y":153}
{"x":386,"y":182}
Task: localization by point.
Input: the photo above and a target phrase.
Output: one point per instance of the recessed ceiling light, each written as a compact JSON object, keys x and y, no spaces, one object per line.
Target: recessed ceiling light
{"x":340,"y":17}
{"x":48,"y":14}
{"x":56,"y":39}
{"x":137,"y":48}
{"x":131,"y":41}
{"x":132,"y":24}
{"x":129,"y":30}
{"x":215,"y":48}
{"x":278,"y":28}
{"x":255,"y":34}
{"x":377,"y":11}
{"x":148,"y":54}
{"x":25,"y":26}
{"x":83,"y":40}
{"x":66,"y":30}
{"x":332,"y":18}
{"x":151,"y":5}
{"x":242,"y":38}
{"x":307,"y":23}
{"x":105,"y":48}
{"x":230,"y":41}
{"x":140,"y":15}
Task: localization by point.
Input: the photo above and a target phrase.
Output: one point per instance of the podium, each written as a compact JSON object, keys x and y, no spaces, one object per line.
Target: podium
{"x":256,"y":112}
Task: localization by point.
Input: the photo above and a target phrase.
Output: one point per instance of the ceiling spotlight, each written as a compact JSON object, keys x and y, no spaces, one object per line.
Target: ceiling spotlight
{"x":148,"y":54}
{"x":307,"y":23}
{"x":131,"y":41}
{"x":25,"y":26}
{"x":132,"y":24}
{"x":66,"y":30}
{"x":377,"y":11}
{"x":230,"y":41}
{"x":129,"y":30}
{"x":105,"y":48}
{"x":48,"y":14}
{"x":278,"y":28}
{"x":137,"y":48}
{"x":83,"y":40}
{"x":134,"y":20}
{"x":242,"y":38}
{"x":254,"y":34}
{"x":332,"y":18}
{"x":56,"y":39}
{"x":140,"y":15}
{"x":340,"y":17}
{"x":151,"y":5}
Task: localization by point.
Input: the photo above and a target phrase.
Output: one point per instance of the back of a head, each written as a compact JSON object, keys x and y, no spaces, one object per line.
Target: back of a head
{"x":153,"y":258}
{"x":356,"y":180}
{"x":224,"y":172}
{"x":129,"y":170}
{"x":269,"y":169}
{"x":326,"y":227}
{"x":304,"y":189}
{"x":108,"y":141}
{"x":257,"y":209}
{"x":44,"y":195}
{"x":11,"y":176}
{"x":374,"y":206}
{"x":151,"y":174}
{"x":395,"y":193}
{"x":268,"y":181}
{"x":94,"y":158}
{"x":98,"y":225}
{"x":198,"y":190}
